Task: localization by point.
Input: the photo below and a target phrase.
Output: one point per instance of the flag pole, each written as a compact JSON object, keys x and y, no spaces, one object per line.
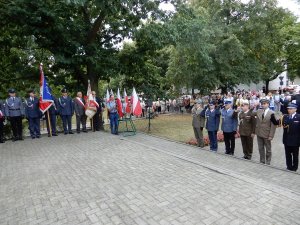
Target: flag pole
{"x":49,"y":123}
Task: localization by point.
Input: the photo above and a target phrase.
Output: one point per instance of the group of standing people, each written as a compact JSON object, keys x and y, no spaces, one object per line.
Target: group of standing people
{"x":14,"y":110}
{"x":249,"y":121}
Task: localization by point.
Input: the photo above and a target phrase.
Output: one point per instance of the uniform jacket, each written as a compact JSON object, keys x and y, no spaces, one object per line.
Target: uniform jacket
{"x":2,"y":111}
{"x":264,"y":127}
{"x":14,"y":107}
{"x":53,"y":110}
{"x":198,"y":120}
{"x":65,"y":106}
{"x":32,"y":109}
{"x":247,"y":123}
{"x":78,"y":107}
{"x":229,"y":120}
{"x":212,"y":119}
{"x":291,"y":130}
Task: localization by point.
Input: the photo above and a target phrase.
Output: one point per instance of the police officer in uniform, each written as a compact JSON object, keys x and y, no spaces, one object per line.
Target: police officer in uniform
{"x":33,"y":114}
{"x":14,"y":111}
{"x":2,"y":118}
{"x":229,"y":126}
{"x":212,"y":115}
{"x":53,"y":111}
{"x":247,"y":129}
{"x":291,"y":135}
{"x":66,"y":111}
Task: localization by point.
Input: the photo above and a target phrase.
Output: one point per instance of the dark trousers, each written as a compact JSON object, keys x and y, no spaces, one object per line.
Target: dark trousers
{"x":247,"y":143}
{"x":96,"y":121}
{"x":34,"y":127}
{"x":52,"y":123}
{"x":292,"y":157}
{"x":1,"y":130}
{"x":212,"y":135}
{"x":81,"y":120}
{"x":16,"y":126}
{"x":67,"y":123}
{"x":229,"y":140}
{"x":113,"y":117}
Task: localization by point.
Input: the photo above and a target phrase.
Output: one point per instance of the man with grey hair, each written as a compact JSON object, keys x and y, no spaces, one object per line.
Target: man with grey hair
{"x":79,"y":106}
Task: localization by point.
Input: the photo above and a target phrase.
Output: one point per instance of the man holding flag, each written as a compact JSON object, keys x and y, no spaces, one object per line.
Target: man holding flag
{"x":47,"y":104}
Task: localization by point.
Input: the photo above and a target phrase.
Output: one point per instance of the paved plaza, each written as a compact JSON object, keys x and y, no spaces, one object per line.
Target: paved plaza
{"x":98,"y":178}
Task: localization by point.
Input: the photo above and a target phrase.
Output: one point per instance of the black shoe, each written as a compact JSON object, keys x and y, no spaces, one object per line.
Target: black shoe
{"x":21,"y":138}
{"x":66,"y":133}
{"x":71,"y":132}
{"x":54,"y":135}
{"x":84,"y":131}
{"x":38,"y":136}
{"x":49,"y":135}
{"x":78,"y":132}
{"x":33,"y":137}
{"x":14,"y":139}
{"x":1,"y":141}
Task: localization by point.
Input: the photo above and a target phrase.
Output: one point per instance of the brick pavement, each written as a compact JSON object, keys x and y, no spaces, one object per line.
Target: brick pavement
{"x":97,"y":178}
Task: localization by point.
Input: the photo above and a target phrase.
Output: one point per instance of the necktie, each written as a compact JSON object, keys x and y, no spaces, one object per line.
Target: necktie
{"x":263,"y":115}
{"x":13,"y":99}
{"x":291,"y":117}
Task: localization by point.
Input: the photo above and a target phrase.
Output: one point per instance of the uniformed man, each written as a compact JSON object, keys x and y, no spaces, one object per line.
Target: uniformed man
{"x":2,"y":118}
{"x":291,"y":136}
{"x":265,"y":131}
{"x":79,"y":106}
{"x":198,"y":123}
{"x":212,"y":115}
{"x":33,"y":114}
{"x":247,"y":129}
{"x":113,"y":115}
{"x":14,"y":112}
{"x":229,"y":126}
{"x":66,"y":111}
{"x":53,"y":112}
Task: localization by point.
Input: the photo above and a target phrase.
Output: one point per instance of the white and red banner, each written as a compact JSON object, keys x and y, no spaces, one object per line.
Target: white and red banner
{"x":127,"y":108}
{"x":90,"y":103}
{"x":119,"y":104}
{"x":136,"y":104}
{"x":46,"y":99}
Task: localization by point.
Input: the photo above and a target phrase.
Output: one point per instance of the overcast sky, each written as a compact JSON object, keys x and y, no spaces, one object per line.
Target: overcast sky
{"x":292,"y":5}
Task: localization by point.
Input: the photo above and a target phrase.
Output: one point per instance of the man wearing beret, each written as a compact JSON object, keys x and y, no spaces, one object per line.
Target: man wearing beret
{"x":291,"y":135}
{"x":66,"y":111}
{"x":265,"y":131}
{"x":14,"y":111}
{"x":33,"y":114}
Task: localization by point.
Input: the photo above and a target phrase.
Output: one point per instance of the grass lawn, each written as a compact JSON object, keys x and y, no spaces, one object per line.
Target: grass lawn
{"x":177,"y":127}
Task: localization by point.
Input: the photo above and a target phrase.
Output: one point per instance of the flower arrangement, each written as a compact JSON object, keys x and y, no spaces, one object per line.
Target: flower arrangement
{"x":220,"y":138}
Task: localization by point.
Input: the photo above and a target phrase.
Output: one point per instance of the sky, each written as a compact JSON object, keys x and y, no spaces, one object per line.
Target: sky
{"x":292,"y":5}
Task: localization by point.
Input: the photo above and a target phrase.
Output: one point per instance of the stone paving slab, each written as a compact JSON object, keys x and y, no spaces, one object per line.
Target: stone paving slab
{"x":98,"y":178}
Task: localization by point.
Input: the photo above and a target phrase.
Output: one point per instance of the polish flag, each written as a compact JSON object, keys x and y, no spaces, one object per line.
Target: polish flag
{"x":127,"y":110}
{"x":136,"y":104}
{"x":119,"y":104}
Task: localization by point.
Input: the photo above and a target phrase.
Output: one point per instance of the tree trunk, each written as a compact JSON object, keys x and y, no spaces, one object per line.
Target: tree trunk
{"x":92,"y":76}
{"x":267,"y":86}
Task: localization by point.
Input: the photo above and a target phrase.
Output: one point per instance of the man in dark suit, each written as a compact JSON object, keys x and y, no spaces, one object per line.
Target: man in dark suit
{"x":66,"y":111}
{"x":14,"y":112}
{"x":33,"y":114}
{"x":2,"y":118}
{"x":79,"y":106}
{"x":97,"y":119}
{"x":297,"y":98}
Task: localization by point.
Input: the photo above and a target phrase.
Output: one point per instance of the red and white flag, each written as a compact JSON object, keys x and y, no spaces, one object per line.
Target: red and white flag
{"x":119,"y":104}
{"x":46,"y":99}
{"x":136,"y":104}
{"x":127,"y":108}
{"x":89,"y":99}
{"x":107,"y":96}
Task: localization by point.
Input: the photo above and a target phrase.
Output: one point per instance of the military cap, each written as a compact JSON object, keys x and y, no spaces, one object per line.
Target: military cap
{"x":265,"y":100}
{"x":292,"y":106}
{"x":64,"y":90}
{"x":11,"y":90}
